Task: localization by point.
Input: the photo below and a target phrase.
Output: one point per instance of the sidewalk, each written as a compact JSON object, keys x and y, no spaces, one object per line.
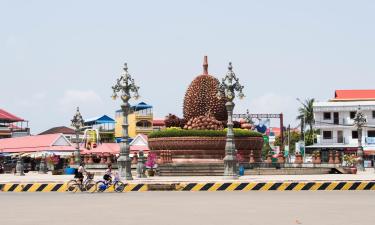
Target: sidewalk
{"x":367,"y":175}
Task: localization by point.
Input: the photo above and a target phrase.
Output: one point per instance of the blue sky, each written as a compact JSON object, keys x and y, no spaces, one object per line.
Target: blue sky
{"x":56,"y":55}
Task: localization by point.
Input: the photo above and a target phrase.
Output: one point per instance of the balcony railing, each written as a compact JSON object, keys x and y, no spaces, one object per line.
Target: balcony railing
{"x":370,"y":140}
{"x":334,"y":140}
{"x":341,"y":122}
{"x":144,"y":129}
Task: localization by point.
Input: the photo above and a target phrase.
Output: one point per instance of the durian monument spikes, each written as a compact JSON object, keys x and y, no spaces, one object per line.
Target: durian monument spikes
{"x":200,"y":97}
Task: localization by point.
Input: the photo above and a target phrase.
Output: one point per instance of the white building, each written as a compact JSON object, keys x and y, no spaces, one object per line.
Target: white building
{"x":334,"y":119}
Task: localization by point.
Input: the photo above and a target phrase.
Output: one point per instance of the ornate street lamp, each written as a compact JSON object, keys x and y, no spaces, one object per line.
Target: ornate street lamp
{"x":359,"y":122}
{"x":127,"y":89}
{"x":227,"y":88}
{"x":77,"y":123}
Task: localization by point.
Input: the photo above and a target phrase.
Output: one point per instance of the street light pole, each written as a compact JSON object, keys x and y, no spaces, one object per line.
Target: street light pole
{"x":359,"y":122}
{"x":227,"y":88}
{"x":77,"y":123}
{"x":127,"y":89}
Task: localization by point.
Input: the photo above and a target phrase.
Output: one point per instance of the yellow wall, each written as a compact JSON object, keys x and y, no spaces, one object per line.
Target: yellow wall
{"x":132,"y":120}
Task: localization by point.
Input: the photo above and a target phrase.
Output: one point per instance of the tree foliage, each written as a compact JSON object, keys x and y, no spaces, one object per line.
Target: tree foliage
{"x":294,"y":137}
{"x":306,"y":112}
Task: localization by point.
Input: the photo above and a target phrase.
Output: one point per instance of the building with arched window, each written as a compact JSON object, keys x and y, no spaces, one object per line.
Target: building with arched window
{"x":139,"y":120}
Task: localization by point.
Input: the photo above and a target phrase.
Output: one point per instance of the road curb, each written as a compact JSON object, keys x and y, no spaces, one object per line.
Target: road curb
{"x":207,"y":186}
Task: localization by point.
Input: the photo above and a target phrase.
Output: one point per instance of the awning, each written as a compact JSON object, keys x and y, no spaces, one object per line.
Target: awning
{"x":99,"y":120}
{"x":43,"y":153}
{"x":369,"y":150}
{"x":330,"y":146}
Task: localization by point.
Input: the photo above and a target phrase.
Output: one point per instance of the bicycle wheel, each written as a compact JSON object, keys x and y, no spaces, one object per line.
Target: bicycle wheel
{"x":119,"y":186}
{"x":90,"y":186}
{"x":72,"y":186}
{"x":100,"y":186}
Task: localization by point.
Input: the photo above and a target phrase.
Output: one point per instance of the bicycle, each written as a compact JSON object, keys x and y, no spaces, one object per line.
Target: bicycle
{"x":87,"y":185}
{"x":118,"y":185}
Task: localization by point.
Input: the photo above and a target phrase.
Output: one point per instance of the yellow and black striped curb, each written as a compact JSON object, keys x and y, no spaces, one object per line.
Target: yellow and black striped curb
{"x":280,"y":186}
{"x":206,"y":186}
{"x":58,"y":187}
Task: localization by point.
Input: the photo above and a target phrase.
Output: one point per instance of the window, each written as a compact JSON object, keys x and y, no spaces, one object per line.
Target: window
{"x":371,"y":133}
{"x":327,"y":116}
{"x":373,"y":114}
{"x":354,"y":134}
{"x":352,"y":115}
{"x":327,"y":134}
{"x":340,"y":136}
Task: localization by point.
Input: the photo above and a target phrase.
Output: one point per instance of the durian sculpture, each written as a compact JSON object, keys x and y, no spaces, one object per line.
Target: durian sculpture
{"x":201,"y":97}
{"x":206,"y":122}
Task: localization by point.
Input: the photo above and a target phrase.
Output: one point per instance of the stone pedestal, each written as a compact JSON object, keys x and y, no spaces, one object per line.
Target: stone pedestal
{"x":281,"y":158}
{"x":90,"y":160}
{"x":337,"y":158}
{"x":252,"y":160}
{"x":269,"y":158}
{"x":72,"y":160}
{"x":313,"y":159}
{"x":86,"y":159}
{"x":102,"y":160}
{"x":298,"y":159}
{"x":330,"y":159}
{"x":317,"y":159}
{"x":135,"y":159}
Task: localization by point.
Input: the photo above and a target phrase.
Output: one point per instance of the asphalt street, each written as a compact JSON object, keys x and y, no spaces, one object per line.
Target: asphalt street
{"x":167,"y":208}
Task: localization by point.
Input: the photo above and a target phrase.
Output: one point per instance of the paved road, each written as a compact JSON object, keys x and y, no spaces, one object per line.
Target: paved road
{"x":35,"y":177}
{"x":172,"y":208}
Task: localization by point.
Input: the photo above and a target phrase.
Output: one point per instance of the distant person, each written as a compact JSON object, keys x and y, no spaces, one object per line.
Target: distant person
{"x":108,"y":174}
{"x":80,"y":171}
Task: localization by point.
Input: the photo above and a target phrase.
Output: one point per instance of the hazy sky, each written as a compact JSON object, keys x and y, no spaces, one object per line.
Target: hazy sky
{"x":56,"y":55}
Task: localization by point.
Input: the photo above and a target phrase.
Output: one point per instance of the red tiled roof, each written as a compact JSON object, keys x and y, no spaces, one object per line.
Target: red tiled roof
{"x":158,"y":122}
{"x":8,"y":117}
{"x":58,"y":130}
{"x":354,"y":95}
{"x":34,"y":144}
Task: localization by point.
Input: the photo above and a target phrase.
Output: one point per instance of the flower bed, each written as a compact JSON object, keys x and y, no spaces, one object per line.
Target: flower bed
{"x":177,"y":132}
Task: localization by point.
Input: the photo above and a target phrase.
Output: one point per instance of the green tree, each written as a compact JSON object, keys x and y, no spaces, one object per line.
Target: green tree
{"x":306,"y":112}
{"x":310,"y":137}
{"x":294,"y":137}
{"x":266,"y":149}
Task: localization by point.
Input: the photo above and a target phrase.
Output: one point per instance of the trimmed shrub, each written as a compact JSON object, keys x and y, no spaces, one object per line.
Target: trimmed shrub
{"x":176,"y":132}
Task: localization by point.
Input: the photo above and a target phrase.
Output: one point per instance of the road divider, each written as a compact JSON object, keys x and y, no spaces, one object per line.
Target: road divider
{"x":206,"y":186}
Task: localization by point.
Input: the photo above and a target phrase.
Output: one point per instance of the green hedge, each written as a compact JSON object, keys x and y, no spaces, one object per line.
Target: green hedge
{"x":176,"y":132}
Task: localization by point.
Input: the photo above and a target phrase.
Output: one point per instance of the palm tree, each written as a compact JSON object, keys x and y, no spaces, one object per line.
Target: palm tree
{"x":306,"y":112}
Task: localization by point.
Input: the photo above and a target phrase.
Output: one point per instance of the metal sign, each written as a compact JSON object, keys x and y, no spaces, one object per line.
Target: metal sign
{"x":258,"y":116}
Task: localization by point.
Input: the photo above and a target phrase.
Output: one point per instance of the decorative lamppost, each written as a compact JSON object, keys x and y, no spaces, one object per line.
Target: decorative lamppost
{"x":359,"y":122}
{"x":77,"y":123}
{"x":227,"y":88}
{"x":127,"y":89}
